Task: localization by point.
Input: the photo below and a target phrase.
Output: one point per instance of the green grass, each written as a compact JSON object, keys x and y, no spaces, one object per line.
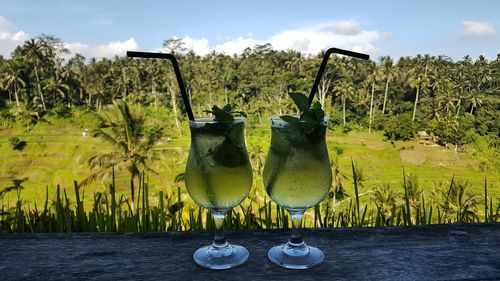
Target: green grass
{"x":382,"y":162}
{"x":55,"y":155}
{"x":114,"y":212}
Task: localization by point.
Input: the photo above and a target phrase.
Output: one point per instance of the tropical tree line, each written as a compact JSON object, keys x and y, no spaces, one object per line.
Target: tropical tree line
{"x":452,"y":100}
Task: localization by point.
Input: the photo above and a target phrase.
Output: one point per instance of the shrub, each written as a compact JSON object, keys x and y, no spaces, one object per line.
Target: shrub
{"x":17,"y":144}
{"x":399,"y":127}
{"x":6,"y":119}
{"x":335,"y":118}
{"x":455,"y":130}
{"x":378,"y":122}
{"x":338,"y":150}
{"x":346,"y":129}
{"x":61,"y":111}
{"x":3,"y":104}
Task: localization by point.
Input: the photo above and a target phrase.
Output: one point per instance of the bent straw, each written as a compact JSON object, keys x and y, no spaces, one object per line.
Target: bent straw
{"x":178,"y":75}
{"x":323,"y":66}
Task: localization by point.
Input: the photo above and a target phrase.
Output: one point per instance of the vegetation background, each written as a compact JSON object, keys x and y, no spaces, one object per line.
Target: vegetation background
{"x":406,"y":137}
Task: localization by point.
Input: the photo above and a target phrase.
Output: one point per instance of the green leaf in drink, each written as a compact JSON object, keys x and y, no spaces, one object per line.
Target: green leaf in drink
{"x":300,"y":100}
{"x":228,"y":153}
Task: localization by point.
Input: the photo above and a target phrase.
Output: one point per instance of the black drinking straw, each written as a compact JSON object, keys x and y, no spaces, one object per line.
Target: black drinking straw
{"x":323,"y":66}
{"x":178,"y":75}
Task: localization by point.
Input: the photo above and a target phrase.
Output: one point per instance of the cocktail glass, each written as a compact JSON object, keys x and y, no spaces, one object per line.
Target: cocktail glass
{"x":218,"y":177}
{"x":297,"y":176}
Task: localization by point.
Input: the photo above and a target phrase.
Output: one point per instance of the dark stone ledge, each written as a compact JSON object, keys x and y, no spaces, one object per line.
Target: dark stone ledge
{"x":439,"y":252}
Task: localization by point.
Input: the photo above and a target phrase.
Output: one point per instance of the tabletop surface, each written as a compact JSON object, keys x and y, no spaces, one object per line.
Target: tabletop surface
{"x":439,"y":252}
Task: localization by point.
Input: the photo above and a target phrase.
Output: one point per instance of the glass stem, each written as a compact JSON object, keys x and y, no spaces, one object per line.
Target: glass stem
{"x":296,"y":238}
{"x":219,"y":239}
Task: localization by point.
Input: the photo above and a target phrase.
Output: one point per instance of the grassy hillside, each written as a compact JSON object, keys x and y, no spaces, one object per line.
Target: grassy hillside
{"x":56,"y":153}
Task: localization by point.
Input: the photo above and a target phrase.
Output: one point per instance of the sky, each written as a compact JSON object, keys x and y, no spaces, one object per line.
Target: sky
{"x":106,"y":28}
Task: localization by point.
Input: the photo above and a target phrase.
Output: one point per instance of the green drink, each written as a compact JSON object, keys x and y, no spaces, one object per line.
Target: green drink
{"x":218,"y":177}
{"x":297,"y":174}
{"x":218,"y":172}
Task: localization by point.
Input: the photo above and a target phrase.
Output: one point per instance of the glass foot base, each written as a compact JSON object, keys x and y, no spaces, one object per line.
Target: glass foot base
{"x":295,"y":256}
{"x":225,"y":257}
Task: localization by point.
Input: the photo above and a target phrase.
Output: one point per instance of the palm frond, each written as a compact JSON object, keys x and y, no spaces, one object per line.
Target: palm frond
{"x":99,"y":133}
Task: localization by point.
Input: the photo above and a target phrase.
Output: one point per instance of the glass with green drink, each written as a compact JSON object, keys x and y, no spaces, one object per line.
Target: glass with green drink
{"x":218,"y":177}
{"x":218,"y":172}
{"x":297,"y":173}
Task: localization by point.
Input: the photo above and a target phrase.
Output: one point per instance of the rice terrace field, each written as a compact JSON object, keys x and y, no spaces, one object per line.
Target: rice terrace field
{"x":56,"y":153}
{"x":58,"y":157}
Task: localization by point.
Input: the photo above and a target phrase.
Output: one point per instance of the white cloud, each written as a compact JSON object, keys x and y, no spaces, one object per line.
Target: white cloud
{"x":79,"y":48}
{"x":200,"y":46}
{"x":115,"y":48}
{"x":236,"y":46}
{"x":310,"y":39}
{"x":313,"y":39}
{"x":109,"y":50}
{"x":476,"y":29}
{"x":10,"y":37}
{"x":346,"y":27}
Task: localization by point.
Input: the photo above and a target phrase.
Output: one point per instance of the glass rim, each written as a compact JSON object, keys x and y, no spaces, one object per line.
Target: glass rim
{"x":202,"y":122}
{"x":276,"y":121}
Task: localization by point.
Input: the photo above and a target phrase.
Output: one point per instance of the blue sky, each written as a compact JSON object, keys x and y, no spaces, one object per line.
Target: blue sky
{"x":395,"y":28}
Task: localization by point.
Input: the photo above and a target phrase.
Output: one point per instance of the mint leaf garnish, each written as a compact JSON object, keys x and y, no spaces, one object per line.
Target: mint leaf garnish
{"x":311,"y":120}
{"x":226,"y":108}
{"x":300,"y":100}
{"x":224,"y":114}
{"x":231,"y":152}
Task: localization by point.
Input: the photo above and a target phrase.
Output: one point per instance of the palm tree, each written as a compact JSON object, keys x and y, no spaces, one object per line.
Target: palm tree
{"x":156,"y":77}
{"x":390,"y":73}
{"x":372,"y":79}
{"x":385,"y":200}
{"x":73,"y":75}
{"x":420,"y":82}
{"x":13,"y":80}
{"x":34,"y":52}
{"x":133,"y":145}
{"x":56,"y":85}
{"x":445,"y":91}
{"x":345,"y":90}
{"x":475,"y":99}
{"x":457,"y":203}
{"x":172,"y":89}
{"x":121,"y":80}
{"x":97,"y":80}
{"x":462,"y":76}
{"x":482,"y":76}
{"x":361,"y":99}
{"x":329,"y":76}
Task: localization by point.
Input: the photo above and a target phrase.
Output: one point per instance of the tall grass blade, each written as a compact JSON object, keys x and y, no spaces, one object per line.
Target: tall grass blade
{"x":407,"y":201}
{"x":355,"y":179}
